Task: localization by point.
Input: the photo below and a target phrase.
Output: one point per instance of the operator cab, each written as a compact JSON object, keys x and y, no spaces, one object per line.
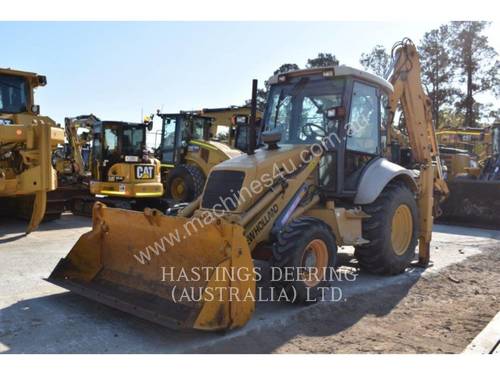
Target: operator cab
{"x":178,"y":131}
{"x":341,"y":108}
{"x":16,"y":93}
{"x":117,"y":142}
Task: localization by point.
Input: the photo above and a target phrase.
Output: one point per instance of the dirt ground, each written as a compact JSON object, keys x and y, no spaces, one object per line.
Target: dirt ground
{"x":439,"y":313}
{"x":436,"y":310}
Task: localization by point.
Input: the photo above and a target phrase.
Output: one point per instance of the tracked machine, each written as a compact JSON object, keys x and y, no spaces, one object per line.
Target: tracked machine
{"x":27,"y":140}
{"x":323,"y":180}
{"x":116,"y":169}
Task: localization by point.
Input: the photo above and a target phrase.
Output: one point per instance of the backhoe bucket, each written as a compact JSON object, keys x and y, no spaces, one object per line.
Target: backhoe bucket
{"x":178,"y":272}
{"x":473,"y":202}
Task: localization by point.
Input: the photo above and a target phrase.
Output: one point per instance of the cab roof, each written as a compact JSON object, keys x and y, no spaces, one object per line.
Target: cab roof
{"x":34,"y":78}
{"x":338,"y":71}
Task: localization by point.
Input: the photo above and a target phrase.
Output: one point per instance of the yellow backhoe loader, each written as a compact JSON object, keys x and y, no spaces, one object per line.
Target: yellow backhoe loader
{"x":321,"y":182}
{"x":26,"y":144}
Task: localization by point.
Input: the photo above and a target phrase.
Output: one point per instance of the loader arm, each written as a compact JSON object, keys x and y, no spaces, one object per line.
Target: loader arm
{"x":416,"y":106}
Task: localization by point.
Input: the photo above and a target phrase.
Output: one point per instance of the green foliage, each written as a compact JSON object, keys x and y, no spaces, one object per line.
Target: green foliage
{"x":451,"y":119}
{"x":322,"y":60}
{"x":286,"y":68}
{"x":476,"y":65}
{"x":437,"y":70}
{"x":376,"y":61}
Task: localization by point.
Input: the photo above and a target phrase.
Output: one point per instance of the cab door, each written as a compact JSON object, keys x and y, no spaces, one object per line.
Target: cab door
{"x":362,"y":134}
{"x":170,"y":140}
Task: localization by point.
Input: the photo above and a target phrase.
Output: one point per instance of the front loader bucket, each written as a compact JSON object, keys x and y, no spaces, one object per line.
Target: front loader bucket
{"x":473,"y":202}
{"x":175,"y":271}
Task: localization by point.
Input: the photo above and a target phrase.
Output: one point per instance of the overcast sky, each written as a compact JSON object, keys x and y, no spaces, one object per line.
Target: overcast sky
{"x":118,"y":69}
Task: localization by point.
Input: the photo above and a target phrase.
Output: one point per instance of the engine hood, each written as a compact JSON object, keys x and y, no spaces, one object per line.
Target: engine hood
{"x":256,"y":174}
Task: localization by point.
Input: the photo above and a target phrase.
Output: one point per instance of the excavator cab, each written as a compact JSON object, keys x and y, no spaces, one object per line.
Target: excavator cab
{"x":121,"y":164}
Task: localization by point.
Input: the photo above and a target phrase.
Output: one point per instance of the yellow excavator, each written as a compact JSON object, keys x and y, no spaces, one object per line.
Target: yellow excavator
{"x":323,"y":180}
{"x":108,"y":161}
{"x":27,"y":140}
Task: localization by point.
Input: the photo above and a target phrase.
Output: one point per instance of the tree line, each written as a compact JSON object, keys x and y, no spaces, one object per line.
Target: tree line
{"x":458,"y":64}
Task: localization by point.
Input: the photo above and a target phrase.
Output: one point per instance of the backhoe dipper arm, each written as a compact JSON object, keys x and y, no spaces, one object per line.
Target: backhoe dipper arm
{"x":71,"y":125}
{"x":416,"y":106}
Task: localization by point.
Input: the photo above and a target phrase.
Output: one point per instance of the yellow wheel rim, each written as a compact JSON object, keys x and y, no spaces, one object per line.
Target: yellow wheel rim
{"x":178,"y":188}
{"x":402,"y":229}
{"x":315,"y":257}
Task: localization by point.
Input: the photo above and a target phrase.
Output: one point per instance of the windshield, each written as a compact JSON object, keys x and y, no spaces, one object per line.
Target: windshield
{"x":13,"y":94}
{"x":133,"y":140}
{"x":299,"y":110}
{"x":122,"y":140}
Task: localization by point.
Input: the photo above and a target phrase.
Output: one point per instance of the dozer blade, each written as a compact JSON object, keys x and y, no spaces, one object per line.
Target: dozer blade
{"x":473,"y":202}
{"x":162,"y":269}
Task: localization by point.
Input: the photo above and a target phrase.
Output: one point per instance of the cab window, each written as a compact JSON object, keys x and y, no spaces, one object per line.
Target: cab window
{"x":363,"y":125}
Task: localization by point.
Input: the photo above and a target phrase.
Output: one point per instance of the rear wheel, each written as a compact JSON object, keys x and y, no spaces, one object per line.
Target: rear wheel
{"x":185,"y":183}
{"x":392,"y":230}
{"x":306,"y":250}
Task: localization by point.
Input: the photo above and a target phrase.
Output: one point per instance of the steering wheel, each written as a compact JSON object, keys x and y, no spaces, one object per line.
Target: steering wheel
{"x":309,"y":132}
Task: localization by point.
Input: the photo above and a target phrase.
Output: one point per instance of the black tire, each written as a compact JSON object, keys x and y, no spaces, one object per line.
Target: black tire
{"x":379,"y":256}
{"x":289,"y":250}
{"x":193,"y":179}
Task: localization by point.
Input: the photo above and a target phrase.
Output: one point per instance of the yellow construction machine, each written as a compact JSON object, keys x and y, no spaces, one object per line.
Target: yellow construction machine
{"x":229,"y":125}
{"x":110,"y":163}
{"x":187,"y":154}
{"x":26,"y":144}
{"x":473,"y":176}
{"x":322,"y":181}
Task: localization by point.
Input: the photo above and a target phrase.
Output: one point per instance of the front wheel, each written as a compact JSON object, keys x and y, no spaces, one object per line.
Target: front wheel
{"x":304,"y":255}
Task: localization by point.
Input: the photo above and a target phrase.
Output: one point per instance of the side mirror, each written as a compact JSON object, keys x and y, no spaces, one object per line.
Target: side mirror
{"x":35,"y":109}
{"x":271,"y":139}
{"x":42,"y":80}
